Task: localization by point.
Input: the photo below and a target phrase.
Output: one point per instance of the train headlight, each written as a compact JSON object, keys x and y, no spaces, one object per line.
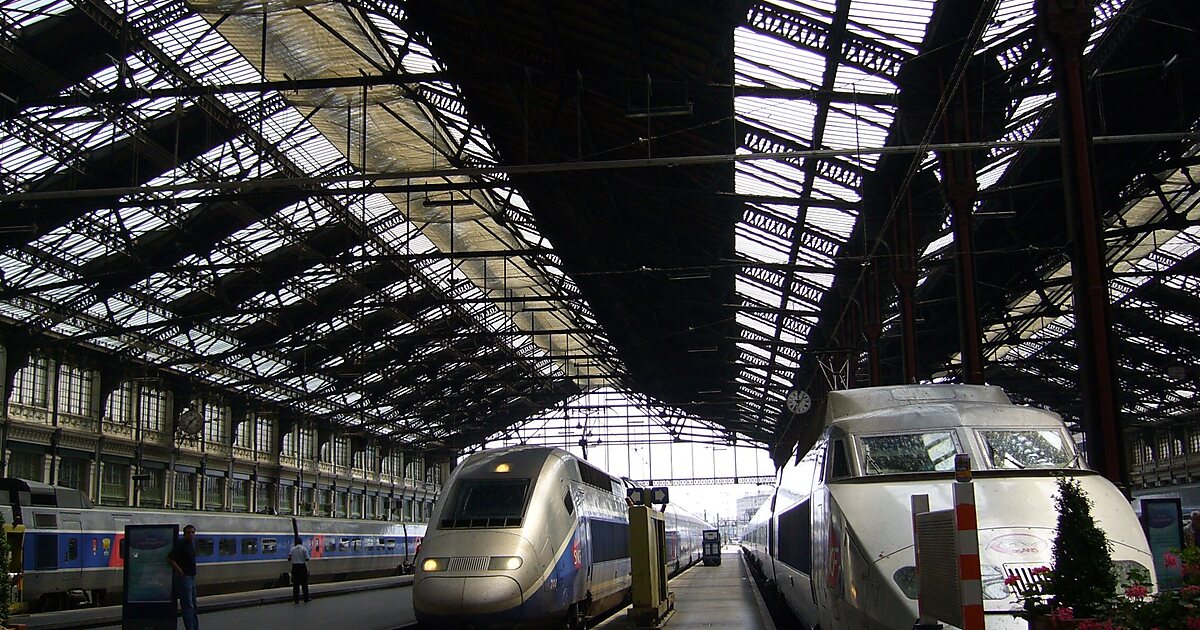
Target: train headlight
{"x":504,"y":563}
{"x":433,"y":565}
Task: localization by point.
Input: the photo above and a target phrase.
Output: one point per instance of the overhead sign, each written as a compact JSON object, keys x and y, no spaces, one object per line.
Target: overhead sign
{"x":648,"y":496}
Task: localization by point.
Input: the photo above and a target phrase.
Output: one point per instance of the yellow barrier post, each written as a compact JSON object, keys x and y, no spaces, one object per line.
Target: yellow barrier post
{"x":652,"y":602}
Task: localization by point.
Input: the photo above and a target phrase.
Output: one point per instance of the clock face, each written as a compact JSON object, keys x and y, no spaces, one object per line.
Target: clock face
{"x":798,"y":401}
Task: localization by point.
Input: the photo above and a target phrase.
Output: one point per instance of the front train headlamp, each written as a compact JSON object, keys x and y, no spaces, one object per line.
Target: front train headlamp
{"x":504,"y":563}
{"x":433,"y":565}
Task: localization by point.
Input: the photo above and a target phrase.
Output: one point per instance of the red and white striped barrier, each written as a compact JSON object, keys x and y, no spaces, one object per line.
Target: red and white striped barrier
{"x":970,"y":576}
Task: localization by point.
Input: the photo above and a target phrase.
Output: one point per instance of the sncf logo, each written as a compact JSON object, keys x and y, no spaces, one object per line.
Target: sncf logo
{"x":576,"y":553}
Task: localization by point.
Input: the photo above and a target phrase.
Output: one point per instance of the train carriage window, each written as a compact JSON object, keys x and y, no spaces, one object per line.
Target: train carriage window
{"x":569,"y":503}
{"x":249,"y":546}
{"x":330,"y":545}
{"x":355,"y":544}
{"x":227,"y":546}
{"x":795,"y":538}
{"x":488,"y":503}
{"x":45,"y":551}
{"x":927,"y":451}
{"x":391,"y":543}
{"x":1027,"y":448}
{"x":72,"y":548}
{"x":204,"y":547}
{"x":269,"y":545}
{"x":610,"y":541}
{"x":344,"y":544}
{"x":839,"y":465}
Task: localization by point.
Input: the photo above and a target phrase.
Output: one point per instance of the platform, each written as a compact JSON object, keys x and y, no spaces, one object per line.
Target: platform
{"x":723,"y":596}
{"x":375,"y":604}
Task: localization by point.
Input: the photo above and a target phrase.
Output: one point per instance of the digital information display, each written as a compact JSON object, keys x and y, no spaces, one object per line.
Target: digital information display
{"x":1163,"y":520}
{"x":149,"y":579}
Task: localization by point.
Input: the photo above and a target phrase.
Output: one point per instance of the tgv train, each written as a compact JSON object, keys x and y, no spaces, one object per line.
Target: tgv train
{"x":532,"y":537}
{"x":835,"y":541}
{"x":67,"y":552}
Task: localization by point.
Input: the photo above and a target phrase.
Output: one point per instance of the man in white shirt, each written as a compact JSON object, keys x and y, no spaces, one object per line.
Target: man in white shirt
{"x":299,"y":556}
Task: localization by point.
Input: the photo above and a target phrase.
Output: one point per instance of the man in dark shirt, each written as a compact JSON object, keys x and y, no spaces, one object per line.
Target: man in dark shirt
{"x":183,"y":561}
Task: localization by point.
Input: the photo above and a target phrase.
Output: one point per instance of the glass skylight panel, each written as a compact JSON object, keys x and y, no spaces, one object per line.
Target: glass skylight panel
{"x":856,"y":81}
{"x":792,"y":119}
{"x":759,"y":245}
{"x":831,"y":220}
{"x":903,"y":20}
{"x":21,"y":14}
{"x":768,"y":60}
{"x":834,"y":189}
{"x":757,"y":324}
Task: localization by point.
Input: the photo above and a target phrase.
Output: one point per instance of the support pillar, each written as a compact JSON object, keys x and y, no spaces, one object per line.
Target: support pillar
{"x":904,"y":271}
{"x":958,"y":180}
{"x":872,"y":325}
{"x":1064,"y":26}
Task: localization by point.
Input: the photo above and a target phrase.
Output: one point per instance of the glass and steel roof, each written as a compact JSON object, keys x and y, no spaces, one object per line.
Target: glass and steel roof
{"x":302,"y":202}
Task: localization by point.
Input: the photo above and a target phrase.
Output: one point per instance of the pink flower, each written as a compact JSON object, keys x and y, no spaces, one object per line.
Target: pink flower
{"x":1193,"y":623}
{"x":1190,"y":589}
{"x":1012,"y":580}
{"x":1171,"y":560}
{"x":1065,"y":613}
{"x":1137,"y":591}
{"x":1040,"y":570}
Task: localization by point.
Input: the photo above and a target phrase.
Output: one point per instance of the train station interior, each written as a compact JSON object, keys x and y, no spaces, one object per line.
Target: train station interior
{"x":269,"y":265}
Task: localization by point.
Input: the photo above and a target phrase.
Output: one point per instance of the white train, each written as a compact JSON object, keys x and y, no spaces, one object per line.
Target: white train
{"x":532,"y":537}
{"x":836,"y":541}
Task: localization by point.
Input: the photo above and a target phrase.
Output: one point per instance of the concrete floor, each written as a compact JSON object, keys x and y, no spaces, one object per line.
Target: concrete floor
{"x":711,"y":597}
{"x":380,"y":603}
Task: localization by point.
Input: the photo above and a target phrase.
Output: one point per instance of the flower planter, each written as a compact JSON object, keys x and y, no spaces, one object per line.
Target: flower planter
{"x":1046,"y":622}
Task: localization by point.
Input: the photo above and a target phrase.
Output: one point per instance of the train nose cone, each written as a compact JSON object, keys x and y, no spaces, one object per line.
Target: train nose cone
{"x":467,"y":595}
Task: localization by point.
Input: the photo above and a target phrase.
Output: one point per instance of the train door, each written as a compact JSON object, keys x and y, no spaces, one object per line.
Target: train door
{"x":827,"y":532}
{"x":71,"y":551}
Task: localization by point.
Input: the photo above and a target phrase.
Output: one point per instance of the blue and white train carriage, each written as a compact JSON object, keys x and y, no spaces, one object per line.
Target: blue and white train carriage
{"x":67,"y":552}
{"x":532,"y":537}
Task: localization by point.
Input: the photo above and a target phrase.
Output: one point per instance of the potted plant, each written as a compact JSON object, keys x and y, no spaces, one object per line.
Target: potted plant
{"x":1083,"y":581}
{"x":1084,"y":578}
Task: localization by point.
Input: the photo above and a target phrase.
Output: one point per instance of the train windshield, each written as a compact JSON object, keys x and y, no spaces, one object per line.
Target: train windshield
{"x":926,"y":451}
{"x":487,"y":503}
{"x":1027,"y":448}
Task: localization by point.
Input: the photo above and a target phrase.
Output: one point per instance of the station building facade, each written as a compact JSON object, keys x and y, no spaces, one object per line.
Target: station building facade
{"x":154,"y":441}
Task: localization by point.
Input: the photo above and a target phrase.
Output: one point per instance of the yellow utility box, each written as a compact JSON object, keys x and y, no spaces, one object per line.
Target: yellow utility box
{"x":652,"y":602}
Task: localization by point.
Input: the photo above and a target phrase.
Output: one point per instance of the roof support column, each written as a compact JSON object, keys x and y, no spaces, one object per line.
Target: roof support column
{"x":872,"y":325}
{"x":1064,"y":26}
{"x":904,"y":272}
{"x":958,"y":179}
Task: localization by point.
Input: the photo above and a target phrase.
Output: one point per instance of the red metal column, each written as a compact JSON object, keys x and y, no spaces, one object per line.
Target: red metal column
{"x":872,"y":324}
{"x":958,"y":179}
{"x":1065,"y":26}
{"x":904,"y":272}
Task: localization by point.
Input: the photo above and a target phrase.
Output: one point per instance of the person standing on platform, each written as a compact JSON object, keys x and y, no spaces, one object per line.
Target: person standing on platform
{"x":1191,"y":531}
{"x":183,"y":560}
{"x":299,"y":556}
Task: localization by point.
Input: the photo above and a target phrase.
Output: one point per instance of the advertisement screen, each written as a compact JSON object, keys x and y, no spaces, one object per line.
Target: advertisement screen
{"x":148,"y":574}
{"x":1163,"y":520}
